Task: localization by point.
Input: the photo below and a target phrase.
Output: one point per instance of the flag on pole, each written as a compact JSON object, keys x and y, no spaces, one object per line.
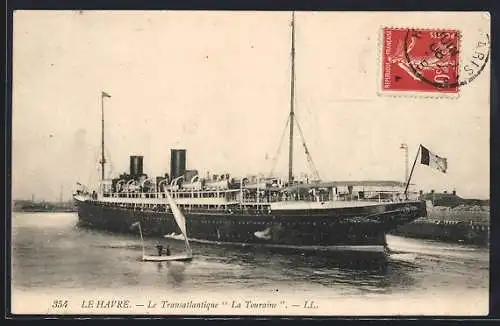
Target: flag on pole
{"x":430,"y":159}
{"x":104,"y":94}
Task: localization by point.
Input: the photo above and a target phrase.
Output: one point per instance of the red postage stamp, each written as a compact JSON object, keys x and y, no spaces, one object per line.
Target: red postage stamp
{"x":420,"y":60}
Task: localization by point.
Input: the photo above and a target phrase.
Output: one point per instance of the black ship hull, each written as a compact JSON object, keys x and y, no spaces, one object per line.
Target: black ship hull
{"x":356,"y":228}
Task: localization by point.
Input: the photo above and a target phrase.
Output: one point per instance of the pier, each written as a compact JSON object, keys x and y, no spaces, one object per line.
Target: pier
{"x":451,"y":219}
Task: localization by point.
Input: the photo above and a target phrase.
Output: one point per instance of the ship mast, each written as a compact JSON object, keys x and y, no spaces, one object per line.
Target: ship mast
{"x":292,"y":100}
{"x":103,"y":159}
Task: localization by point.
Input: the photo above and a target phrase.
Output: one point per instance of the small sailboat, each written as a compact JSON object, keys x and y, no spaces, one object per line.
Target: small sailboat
{"x":181,"y":222}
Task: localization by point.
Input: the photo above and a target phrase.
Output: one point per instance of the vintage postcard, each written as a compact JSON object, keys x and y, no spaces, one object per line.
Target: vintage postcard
{"x":250,"y":163}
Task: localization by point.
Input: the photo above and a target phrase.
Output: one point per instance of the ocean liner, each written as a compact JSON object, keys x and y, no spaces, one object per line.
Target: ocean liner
{"x":253,"y":210}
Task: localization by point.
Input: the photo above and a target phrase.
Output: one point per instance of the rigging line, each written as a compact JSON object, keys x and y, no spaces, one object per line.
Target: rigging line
{"x":275,"y":159}
{"x":309,"y":158}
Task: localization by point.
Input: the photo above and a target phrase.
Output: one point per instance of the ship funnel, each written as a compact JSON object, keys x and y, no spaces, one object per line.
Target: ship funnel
{"x":177,"y":163}
{"x":136,"y":165}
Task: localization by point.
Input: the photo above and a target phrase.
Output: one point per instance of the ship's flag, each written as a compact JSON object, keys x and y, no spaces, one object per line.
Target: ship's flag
{"x":430,"y":159}
{"x":104,"y":94}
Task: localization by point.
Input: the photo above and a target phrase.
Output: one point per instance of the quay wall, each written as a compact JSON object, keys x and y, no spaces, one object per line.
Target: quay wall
{"x":461,"y":225}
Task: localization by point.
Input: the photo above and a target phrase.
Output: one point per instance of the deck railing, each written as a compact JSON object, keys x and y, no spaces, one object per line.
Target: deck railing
{"x":242,"y":197}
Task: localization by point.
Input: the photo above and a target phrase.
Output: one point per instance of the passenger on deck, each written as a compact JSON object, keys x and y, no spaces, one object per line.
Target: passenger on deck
{"x":160,"y":250}
{"x":168,"y":250}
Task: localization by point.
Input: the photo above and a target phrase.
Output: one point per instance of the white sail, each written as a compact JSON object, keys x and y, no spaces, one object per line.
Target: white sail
{"x":181,"y":221}
{"x":178,"y":216}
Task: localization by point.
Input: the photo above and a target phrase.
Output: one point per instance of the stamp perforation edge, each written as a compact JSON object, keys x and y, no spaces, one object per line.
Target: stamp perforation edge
{"x":413,"y":94}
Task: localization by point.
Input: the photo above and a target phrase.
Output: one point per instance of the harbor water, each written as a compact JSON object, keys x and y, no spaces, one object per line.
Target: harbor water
{"x":59,"y":268}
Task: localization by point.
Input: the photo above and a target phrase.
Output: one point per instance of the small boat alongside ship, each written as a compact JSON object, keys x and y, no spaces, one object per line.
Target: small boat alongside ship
{"x":250,"y":210}
{"x":181,"y":223}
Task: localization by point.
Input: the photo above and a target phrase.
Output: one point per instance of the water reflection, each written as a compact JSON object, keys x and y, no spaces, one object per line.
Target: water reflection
{"x":175,"y":273}
{"x":366,"y":272}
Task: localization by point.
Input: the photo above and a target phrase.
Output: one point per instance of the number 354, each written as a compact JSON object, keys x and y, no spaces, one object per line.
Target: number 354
{"x":60,"y":304}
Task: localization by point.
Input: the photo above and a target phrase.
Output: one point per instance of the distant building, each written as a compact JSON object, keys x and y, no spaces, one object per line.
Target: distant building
{"x":31,"y":206}
{"x":451,"y":200}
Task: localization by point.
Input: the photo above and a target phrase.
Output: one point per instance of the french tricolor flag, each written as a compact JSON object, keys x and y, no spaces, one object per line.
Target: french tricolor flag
{"x":430,"y":159}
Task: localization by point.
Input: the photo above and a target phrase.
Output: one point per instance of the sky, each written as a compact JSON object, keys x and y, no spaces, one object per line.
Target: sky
{"x":218,"y":85}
